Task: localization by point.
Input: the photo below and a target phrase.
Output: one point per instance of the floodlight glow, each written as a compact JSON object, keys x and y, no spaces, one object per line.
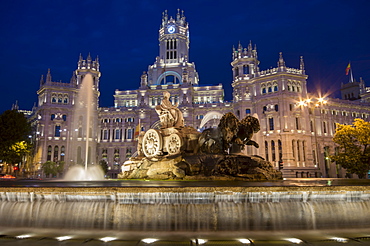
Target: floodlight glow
{"x":107,"y":239}
{"x":294,"y":240}
{"x":63,"y":238}
{"x":149,"y":240}
{"x":244,"y":241}
{"x":23,"y":236}
{"x":202,"y":241}
{"x":340,"y":239}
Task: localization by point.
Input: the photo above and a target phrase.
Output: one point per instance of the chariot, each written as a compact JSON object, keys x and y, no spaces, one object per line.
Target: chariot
{"x":169,"y":141}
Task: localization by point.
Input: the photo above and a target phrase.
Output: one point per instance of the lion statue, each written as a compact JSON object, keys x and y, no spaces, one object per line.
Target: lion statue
{"x":230,"y":133}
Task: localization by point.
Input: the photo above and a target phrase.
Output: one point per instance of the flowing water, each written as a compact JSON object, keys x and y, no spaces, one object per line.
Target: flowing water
{"x":83,"y":137}
{"x":187,"y":212}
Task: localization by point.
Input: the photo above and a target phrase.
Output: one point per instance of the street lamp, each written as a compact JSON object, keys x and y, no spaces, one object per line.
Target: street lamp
{"x":312,"y":104}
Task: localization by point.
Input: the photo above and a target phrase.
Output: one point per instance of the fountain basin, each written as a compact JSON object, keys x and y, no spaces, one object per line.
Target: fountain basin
{"x":187,"y":209}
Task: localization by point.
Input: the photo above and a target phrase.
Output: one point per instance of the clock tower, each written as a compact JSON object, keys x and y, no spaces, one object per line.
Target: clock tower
{"x":172,"y":66}
{"x":174,"y":38}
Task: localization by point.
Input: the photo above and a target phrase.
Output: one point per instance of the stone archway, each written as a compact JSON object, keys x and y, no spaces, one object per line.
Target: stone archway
{"x":210,"y":116}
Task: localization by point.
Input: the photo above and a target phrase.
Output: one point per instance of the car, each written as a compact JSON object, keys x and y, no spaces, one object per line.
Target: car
{"x":8,"y":176}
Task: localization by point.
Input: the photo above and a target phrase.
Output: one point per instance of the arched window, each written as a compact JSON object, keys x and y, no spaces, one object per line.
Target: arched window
{"x":263,"y":90}
{"x":62,"y":153}
{"x":273,"y":154}
{"x":246,"y":69}
{"x":64,"y":117}
{"x":170,"y":79}
{"x":236,"y":71}
{"x":267,"y":151}
{"x":280,"y":147}
{"x":48,"y":158}
{"x":56,"y":153}
{"x":52,"y":117}
{"x":275,"y":88}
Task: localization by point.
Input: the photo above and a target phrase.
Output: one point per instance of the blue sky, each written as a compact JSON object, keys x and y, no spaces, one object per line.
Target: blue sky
{"x":41,"y":34}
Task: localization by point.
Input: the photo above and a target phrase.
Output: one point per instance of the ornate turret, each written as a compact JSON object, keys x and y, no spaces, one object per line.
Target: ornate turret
{"x":245,"y":61}
{"x":88,"y":66}
{"x":88,"y":63}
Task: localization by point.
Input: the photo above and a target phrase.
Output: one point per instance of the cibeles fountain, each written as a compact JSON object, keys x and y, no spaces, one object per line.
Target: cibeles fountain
{"x":223,"y":207}
{"x":181,"y":152}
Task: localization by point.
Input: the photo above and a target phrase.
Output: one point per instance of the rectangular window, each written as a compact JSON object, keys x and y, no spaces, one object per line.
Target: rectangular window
{"x":271,"y":124}
{"x":248,"y":111}
{"x":311,"y":125}
{"x":57,"y":131}
{"x":297,"y":123}
{"x":117,"y":134}
{"x":129,"y":133}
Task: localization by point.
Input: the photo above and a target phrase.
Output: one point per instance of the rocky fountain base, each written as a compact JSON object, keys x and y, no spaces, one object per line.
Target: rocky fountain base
{"x":201,"y":167}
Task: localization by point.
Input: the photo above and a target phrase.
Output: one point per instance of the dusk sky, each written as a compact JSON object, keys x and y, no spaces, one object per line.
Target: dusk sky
{"x":37,"y":35}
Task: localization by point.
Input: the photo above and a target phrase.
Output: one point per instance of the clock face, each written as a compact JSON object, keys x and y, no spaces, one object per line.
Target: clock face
{"x":171,"y":29}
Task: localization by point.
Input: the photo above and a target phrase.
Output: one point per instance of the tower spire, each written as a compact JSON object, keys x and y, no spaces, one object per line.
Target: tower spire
{"x":301,"y":65}
{"x":48,"y":76}
{"x":281,"y":62}
{"x":42,"y":80}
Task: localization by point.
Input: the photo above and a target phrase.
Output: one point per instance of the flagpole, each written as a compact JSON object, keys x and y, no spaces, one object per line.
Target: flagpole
{"x":351,"y":76}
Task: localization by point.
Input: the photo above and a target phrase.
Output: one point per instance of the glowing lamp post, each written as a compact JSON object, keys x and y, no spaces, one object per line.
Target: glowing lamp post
{"x":312,"y":104}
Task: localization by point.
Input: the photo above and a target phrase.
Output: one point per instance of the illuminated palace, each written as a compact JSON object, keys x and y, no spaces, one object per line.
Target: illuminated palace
{"x":295,"y":131}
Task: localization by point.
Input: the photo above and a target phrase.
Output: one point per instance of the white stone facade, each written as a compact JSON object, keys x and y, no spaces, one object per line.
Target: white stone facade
{"x":294,"y":131}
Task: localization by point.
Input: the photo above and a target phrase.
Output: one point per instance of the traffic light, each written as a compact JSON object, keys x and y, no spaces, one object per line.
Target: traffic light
{"x":281,"y":165}
{"x":15,"y":168}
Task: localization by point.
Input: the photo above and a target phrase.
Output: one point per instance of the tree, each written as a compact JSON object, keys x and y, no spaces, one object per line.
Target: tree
{"x":53,"y":168}
{"x":104,"y":166}
{"x":354,"y":147}
{"x":14,"y":140}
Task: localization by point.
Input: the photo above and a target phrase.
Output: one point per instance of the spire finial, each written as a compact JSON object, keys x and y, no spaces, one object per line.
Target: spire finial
{"x":178,"y":16}
{"x":301,"y":65}
{"x":281,"y":62}
{"x":42,"y":79}
{"x":48,"y":76}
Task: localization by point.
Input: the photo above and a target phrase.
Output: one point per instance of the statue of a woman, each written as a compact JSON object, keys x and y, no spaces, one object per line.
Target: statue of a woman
{"x":169,"y":115}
